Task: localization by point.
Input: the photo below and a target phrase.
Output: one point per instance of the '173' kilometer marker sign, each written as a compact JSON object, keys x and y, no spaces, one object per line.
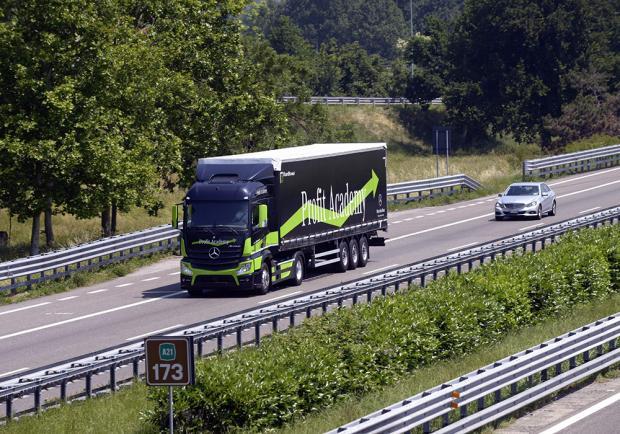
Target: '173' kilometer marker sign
{"x":169,"y":362}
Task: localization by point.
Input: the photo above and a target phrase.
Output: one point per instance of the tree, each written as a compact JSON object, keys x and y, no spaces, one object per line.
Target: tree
{"x":376,"y":25}
{"x":509,"y":63}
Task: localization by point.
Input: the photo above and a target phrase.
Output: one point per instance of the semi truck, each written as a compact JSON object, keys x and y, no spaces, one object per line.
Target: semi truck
{"x":253,"y":220}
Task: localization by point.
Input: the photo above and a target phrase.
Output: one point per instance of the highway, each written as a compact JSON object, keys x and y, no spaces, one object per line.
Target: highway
{"x":58,"y":327}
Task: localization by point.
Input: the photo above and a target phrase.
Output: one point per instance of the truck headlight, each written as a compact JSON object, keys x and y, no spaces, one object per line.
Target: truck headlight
{"x":186,"y":270}
{"x":244,"y":268}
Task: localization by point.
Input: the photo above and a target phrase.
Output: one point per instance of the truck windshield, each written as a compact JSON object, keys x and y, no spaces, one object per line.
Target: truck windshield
{"x":218,"y":213}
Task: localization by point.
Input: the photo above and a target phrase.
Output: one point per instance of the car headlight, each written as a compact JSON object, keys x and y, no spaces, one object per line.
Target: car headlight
{"x":532,"y":203}
{"x":499,"y":205}
{"x":244,"y":268}
{"x":186,"y":270}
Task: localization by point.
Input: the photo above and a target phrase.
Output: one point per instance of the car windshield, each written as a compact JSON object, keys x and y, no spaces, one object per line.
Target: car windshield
{"x":218,"y":213}
{"x":522,"y":190}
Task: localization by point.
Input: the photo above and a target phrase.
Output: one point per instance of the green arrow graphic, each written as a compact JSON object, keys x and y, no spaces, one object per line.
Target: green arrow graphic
{"x":328,"y":216}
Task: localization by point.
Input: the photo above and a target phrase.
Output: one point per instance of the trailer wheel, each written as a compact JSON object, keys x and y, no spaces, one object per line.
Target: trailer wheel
{"x":354,"y":254}
{"x":265,"y":279}
{"x":298,"y":269}
{"x":343,"y":255}
{"x":364,"y":251}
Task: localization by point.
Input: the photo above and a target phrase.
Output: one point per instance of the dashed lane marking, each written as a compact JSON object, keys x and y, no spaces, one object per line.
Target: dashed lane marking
{"x":278,"y":298}
{"x":19,"y":309}
{"x":149,"y":279}
{"x":154,"y":332}
{"x":124,"y":285}
{"x":96,"y":291}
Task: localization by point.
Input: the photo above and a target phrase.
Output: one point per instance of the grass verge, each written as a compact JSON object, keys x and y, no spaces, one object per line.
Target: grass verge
{"x":81,"y":279}
{"x":121,"y":412}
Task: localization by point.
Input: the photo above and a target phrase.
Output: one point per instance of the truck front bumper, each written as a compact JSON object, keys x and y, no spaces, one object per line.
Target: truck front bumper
{"x":193,"y":277}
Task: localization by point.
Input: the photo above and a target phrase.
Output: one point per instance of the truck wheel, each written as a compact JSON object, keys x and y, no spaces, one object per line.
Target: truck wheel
{"x":354,"y":254}
{"x":343,"y":255}
{"x":364,"y":252}
{"x":298,"y":269}
{"x":194,"y":292}
{"x":265,"y":279}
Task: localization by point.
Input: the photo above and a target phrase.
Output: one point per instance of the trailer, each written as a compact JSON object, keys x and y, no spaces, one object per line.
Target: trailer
{"x":254,"y":220}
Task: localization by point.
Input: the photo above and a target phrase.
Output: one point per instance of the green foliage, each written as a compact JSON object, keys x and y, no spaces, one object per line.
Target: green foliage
{"x":354,"y":351}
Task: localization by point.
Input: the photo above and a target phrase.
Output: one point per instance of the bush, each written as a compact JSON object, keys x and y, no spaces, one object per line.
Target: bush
{"x":354,"y":351}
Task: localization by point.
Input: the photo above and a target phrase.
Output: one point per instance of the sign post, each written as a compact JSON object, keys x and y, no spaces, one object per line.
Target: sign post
{"x":439,"y":132}
{"x":169,"y":362}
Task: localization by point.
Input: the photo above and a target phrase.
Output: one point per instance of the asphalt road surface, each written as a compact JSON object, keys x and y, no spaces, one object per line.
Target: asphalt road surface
{"x":58,"y":327}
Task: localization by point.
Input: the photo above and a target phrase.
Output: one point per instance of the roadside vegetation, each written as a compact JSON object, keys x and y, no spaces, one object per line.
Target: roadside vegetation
{"x":348,"y":363}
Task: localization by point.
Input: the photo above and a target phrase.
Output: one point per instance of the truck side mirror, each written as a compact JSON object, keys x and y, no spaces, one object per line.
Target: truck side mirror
{"x":175,"y":216}
{"x":262,"y":215}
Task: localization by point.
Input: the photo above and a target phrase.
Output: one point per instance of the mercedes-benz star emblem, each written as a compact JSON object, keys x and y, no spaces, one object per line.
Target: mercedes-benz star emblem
{"x":214,"y":252}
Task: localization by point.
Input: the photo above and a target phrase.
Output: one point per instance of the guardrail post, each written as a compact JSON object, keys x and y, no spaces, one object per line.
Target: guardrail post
{"x":523,"y":171}
{"x":89,"y":386}
{"x":426,"y":428}
{"x":113,"y":378}
{"x":220,"y":342}
{"x":257,"y":334}
{"x":136,"y":371}
{"x":239,"y":340}
{"x":274,"y":324}
{"x":199,"y":348}
{"x":291,"y":319}
{"x":9,"y":407}
{"x":63,"y":391}
{"x":37,"y":399}
{"x":422,"y":279}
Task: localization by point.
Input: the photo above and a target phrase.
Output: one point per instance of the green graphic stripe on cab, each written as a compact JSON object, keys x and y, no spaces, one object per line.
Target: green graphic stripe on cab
{"x":328,"y":216}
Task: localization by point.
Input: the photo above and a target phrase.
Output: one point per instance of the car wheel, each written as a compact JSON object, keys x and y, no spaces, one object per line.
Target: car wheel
{"x":354,"y":254}
{"x":539,"y":215}
{"x":265,"y":279}
{"x":364,"y":251}
{"x":553,"y":209}
{"x":298,"y":269}
{"x":343,"y":254}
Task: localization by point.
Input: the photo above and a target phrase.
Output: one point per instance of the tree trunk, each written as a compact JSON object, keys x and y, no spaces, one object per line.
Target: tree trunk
{"x":49,"y":230}
{"x":114,"y":218}
{"x":106,"y":228}
{"x":36,"y":232}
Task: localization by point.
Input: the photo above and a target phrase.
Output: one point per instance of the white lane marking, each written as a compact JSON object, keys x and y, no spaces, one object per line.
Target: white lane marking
{"x":123,"y":285}
{"x":174,"y":274}
{"x":408,"y":219}
{"x":90,"y":315}
{"x":156,"y":292}
{"x":602,"y":172}
{"x":462,"y":206}
{"x":71,"y":297}
{"x":440,"y":212}
{"x":154,"y":332}
{"x":149,"y":279}
{"x":479,"y":203}
{"x":96,"y":291}
{"x":420,"y":217}
{"x":588,"y":210}
{"x":59,"y":313}
{"x":491,"y":200}
{"x":488,"y":215}
{"x":13,"y":372}
{"x":278,"y":298}
{"x":590,"y":189}
{"x":530,"y":227}
{"x":397,"y":222}
{"x":451,"y":209}
{"x":379,"y":269}
{"x":433,"y":213}
{"x":462,"y":247}
{"x":439,"y":227}
{"x":579,"y":416}
{"x":19,"y":309}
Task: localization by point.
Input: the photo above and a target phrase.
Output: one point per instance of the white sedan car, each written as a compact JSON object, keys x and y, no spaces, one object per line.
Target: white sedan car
{"x":526,"y":199}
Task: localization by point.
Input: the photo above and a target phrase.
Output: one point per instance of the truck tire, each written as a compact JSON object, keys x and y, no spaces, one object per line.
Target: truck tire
{"x":343,"y":255}
{"x":194,"y":292}
{"x":298,"y":269}
{"x":265,"y":279}
{"x":354,"y":254}
{"x":364,"y":251}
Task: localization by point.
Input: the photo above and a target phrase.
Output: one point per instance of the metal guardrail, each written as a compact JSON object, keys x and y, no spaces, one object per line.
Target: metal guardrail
{"x":247,"y":328}
{"x":501,"y":388}
{"x":353,"y":100}
{"x":434,"y":187}
{"x":575,"y":162}
{"x":58,"y":264}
